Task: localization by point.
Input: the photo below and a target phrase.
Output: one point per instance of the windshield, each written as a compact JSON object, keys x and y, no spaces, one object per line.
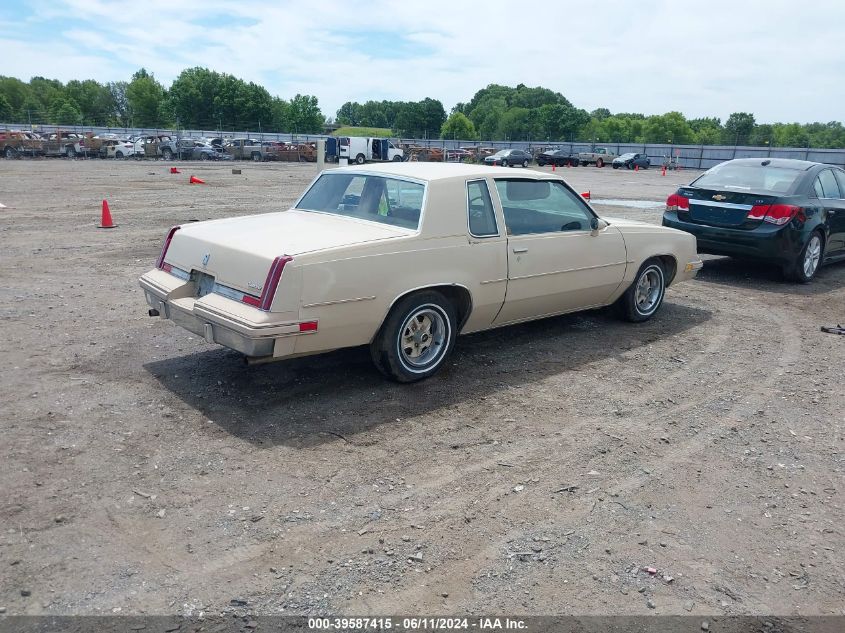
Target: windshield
{"x":628,"y":155}
{"x":502,"y":152}
{"x":748,"y":176}
{"x":367,"y":197}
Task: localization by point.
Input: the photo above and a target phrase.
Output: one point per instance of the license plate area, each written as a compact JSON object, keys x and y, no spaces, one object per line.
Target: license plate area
{"x":203,"y":283}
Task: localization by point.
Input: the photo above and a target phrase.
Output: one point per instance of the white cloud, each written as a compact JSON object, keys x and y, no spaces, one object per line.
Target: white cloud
{"x":780,"y":60}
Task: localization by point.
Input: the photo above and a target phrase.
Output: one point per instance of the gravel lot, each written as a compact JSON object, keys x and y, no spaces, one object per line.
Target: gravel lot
{"x":147,"y":472}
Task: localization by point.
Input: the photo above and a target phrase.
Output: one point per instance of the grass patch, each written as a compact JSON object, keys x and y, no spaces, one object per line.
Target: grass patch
{"x":381,"y":132}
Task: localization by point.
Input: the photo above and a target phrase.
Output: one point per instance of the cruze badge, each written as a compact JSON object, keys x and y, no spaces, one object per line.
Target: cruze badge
{"x":719,"y":197}
{"x":205,"y":259}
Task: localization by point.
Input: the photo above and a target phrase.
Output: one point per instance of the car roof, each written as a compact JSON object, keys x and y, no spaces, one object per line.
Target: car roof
{"x":785,"y":163}
{"x":440,"y":171}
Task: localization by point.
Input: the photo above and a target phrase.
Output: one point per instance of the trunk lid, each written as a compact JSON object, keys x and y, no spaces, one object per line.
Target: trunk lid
{"x":238,"y":252}
{"x":724,"y":208}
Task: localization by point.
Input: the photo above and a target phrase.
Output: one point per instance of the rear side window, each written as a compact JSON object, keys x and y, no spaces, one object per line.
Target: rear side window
{"x":828,"y":184}
{"x":482,"y":220}
{"x":374,"y":198}
{"x":840,"y":177}
{"x":749,"y":176}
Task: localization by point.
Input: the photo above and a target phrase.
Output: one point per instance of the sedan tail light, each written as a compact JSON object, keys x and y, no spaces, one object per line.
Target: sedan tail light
{"x":677,"y":202}
{"x":268,"y":292}
{"x":778,"y":214}
{"x":160,"y":263}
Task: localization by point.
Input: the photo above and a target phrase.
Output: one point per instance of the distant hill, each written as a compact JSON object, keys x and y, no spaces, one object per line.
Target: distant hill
{"x":382,"y":132}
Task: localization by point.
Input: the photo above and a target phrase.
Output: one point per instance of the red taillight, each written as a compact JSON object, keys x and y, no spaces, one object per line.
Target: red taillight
{"x":677,"y":202}
{"x":308,"y":326}
{"x":758,"y":211}
{"x":160,"y":263}
{"x":253,"y":301}
{"x":781,"y":213}
{"x":272,"y":282}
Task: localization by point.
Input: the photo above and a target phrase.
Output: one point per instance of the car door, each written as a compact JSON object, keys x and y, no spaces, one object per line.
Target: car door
{"x":836,"y":220}
{"x":556,"y":263}
{"x":830,"y":198}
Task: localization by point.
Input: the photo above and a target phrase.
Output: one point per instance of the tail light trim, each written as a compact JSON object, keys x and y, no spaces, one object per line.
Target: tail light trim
{"x":271,"y":284}
{"x":160,"y":263}
{"x":677,"y":202}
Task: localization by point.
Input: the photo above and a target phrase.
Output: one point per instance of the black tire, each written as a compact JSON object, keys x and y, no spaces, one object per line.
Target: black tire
{"x":256,"y":157}
{"x":615,"y":166}
{"x":204,"y":156}
{"x":541,"y":164}
{"x":70,"y":152}
{"x":118,"y":154}
{"x":167,"y":153}
{"x":504,"y":163}
{"x":584,"y":163}
{"x":599,"y":163}
{"x":10,"y":153}
{"x":574,"y":162}
{"x":395,"y":360}
{"x":630,"y":305}
{"x":525,"y":163}
{"x":397,"y":159}
{"x":797,"y":271}
{"x":360,"y":159}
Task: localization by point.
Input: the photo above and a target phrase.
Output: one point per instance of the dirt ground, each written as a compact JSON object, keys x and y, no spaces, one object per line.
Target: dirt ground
{"x":145,"y":471}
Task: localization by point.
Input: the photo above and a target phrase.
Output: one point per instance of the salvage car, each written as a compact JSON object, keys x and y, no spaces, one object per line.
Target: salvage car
{"x":632,"y":160}
{"x":790,"y":213}
{"x":559,"y":158}
{"x":405,"y":256}
{"x":509,"y":158}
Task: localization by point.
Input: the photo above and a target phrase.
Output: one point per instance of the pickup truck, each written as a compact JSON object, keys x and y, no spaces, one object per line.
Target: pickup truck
{"x":600,"y":157}
{"x":68,"y":144}
{"x":14,"y":144}
{"x":247,"y":149}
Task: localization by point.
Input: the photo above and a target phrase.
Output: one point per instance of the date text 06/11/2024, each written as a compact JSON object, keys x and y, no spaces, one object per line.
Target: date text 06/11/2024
{"x":416,"y":623}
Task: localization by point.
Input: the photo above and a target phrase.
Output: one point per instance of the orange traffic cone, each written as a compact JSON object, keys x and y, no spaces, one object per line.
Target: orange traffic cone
{"x":664,"y":171}
{"x":196,"y":181}
{"x":175,"y":170}
{"x":636,"y":168}
{"x":106,"y":221}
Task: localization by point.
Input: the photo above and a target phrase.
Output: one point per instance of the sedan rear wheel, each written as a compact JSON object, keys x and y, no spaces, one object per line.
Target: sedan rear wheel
{"x":808,"y":263}
{"x":416,"y":338}
{"x":525,"y":163}
{"x":643,"y":298}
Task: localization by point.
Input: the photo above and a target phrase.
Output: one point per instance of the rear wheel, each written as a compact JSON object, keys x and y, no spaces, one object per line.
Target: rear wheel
{"x":599,"y":163}
{"x":416,"y":338}
{"x":504,"y":163}
{"x":809,"y":261}
{"x":118,"y":154}
{"x":167,"y":153}
{"x":10,"y":153}
{"x":360,"y":159}
{"x":256,"y":157}
{"x":70,"y":152}
{"x":615,"y":166}
{"x":397,"y":159}
{"x":525,"y":163}
{"x":645,"y":296}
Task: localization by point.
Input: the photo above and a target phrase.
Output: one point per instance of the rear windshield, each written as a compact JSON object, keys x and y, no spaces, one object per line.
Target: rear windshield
{"x":366,"y":197}
{"x":749,"y":176}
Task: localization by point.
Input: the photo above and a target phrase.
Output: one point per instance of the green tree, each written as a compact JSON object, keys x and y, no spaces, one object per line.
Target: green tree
{"x":349,"y":114}
{"x":600,"y":114}
{"x":144,"y":96}
{"x":458,"y":126}
{"x":6,"y":111}
{"x":65,"y":112}
{"x":305,"y":115}
{"x":738,"y":128}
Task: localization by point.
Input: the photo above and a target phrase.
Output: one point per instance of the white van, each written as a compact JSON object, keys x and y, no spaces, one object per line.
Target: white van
{"x":360,"y":149}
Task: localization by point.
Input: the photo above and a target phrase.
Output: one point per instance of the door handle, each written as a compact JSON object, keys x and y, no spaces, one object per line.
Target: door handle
{"x":520,"y":250}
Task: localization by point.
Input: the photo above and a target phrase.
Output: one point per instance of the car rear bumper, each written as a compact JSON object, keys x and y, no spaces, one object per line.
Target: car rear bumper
{"x":780,"y":244}
{"x":208,"y":317}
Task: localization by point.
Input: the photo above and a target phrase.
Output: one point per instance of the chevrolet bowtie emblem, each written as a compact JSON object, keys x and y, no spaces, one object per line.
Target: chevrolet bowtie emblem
{"x":719,"y":197}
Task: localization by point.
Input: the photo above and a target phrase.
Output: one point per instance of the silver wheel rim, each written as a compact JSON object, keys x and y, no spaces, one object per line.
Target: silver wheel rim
{"x":423,"y":338}
{"x":649,"y":290}
{"x":812,"y":256}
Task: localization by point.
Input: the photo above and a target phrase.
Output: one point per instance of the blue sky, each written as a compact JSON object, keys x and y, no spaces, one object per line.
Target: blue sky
{"x":779,"y":59}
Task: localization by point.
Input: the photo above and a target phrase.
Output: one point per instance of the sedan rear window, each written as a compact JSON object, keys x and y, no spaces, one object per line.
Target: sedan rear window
{"x":366,"y":197}
{"x":749,"y":176}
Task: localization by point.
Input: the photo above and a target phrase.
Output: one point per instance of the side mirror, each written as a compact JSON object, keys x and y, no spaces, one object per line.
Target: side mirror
{"x":597,"y":225}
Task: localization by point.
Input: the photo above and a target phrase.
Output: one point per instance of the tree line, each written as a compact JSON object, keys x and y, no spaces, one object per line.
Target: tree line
{"x":200,"y":98}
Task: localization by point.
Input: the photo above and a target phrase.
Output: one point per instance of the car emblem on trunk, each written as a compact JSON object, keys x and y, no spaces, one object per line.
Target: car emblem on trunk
{"x":719,"y":197}
{"x":205,"y":259}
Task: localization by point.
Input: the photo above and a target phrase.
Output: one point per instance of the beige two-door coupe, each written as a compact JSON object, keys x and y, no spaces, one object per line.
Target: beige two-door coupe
{"x":404,"y":257}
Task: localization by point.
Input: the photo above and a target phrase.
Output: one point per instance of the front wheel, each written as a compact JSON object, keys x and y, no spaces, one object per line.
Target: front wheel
{"x":167,"y":154}
{"x":70,"y":152}
{"x":397,"y":159}
{"x":10,"y":153}
{"x":809,"y":261}
{"x":643,"y":298}
{"x":504,"y":163}
{"x":118,"y":154}
{"x":416,"y":338}
{"x":525,"y":163}
{"x":615,"y":166}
